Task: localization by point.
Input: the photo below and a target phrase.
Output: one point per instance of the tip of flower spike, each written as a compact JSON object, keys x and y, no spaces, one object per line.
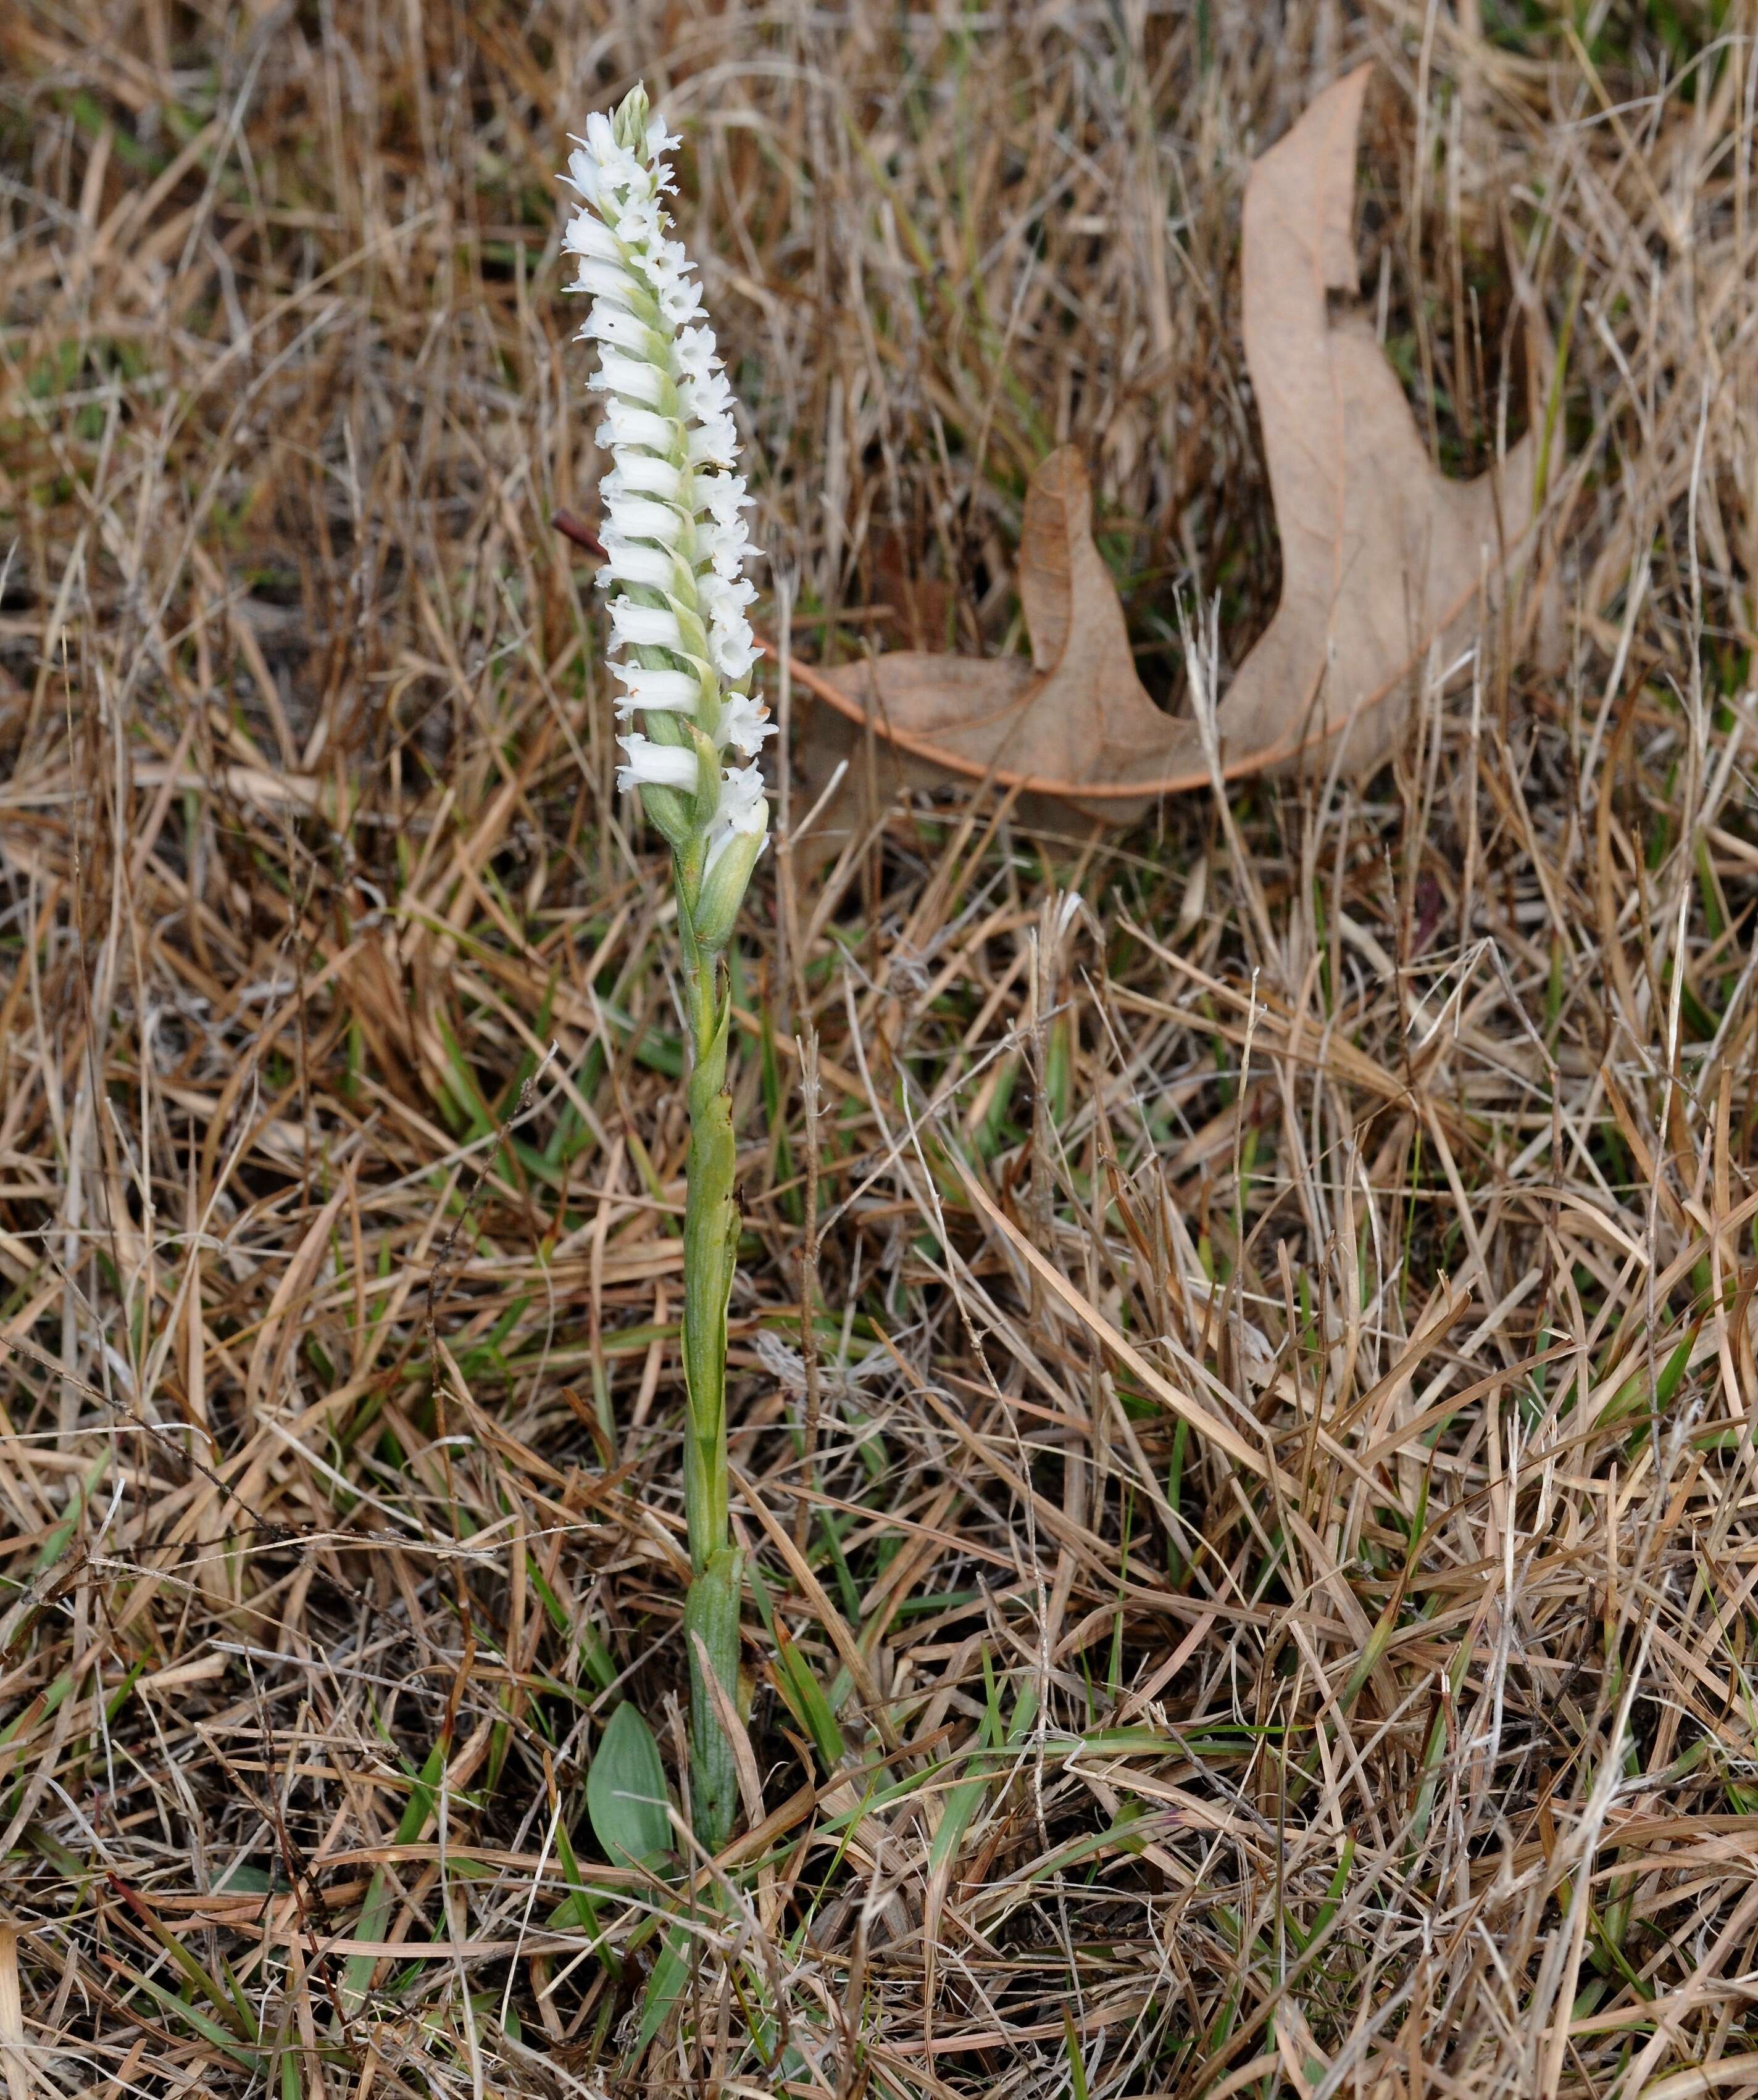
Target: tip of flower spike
{"x":636,"y":129}
{"x":629,"y":121}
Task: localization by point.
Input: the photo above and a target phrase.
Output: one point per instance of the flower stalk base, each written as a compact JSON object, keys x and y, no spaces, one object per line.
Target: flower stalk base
{"x":710,"y":1250}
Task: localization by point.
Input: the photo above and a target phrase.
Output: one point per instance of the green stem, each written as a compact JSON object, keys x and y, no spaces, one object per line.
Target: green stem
{"x":710,"y":1249}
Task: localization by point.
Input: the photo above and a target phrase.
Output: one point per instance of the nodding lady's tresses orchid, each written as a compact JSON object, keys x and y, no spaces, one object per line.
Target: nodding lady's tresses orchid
{"x":675,"y":546}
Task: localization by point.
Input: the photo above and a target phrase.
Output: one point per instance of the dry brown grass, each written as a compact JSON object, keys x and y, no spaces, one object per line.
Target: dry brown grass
{"x":1411,"y":1129}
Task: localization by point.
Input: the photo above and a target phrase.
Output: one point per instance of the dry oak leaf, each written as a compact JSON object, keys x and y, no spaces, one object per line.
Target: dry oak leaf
{"x":1385,"y":562}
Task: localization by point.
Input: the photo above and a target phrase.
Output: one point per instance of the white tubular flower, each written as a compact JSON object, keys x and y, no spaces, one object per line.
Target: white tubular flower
{"x":641,"y":475}
{"x":645,"y":520}
{"x":744,"y":724}
{"x":743,"y":813}
{"x":660,"y":692}
{"x":629,"y":427}
{"x":633,"y":561}
{"x":655,"y":765}
{"x":637,"y":377}
{"x":649,"y":626}
{"x":674,"y":536}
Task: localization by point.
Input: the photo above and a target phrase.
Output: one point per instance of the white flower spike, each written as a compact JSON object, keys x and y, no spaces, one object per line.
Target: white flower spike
{"x":674,"y":537}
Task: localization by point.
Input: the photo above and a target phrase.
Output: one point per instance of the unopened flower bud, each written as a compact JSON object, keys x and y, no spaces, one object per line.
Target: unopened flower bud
{"x":724,"y":886}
